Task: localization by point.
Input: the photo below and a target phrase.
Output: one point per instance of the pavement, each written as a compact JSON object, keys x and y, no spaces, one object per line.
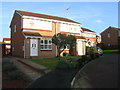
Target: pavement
{"x":100,"y":73}
{"x":32,"y":70}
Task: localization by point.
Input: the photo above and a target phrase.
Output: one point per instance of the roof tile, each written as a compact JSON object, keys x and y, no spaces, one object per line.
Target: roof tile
{"x":45,"y":16}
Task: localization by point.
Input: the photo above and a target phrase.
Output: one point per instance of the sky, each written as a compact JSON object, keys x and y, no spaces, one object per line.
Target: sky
{"x":96,"y":16}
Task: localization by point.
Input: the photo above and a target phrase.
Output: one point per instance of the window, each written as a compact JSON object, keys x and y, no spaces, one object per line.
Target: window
{"x":108,"y":44}
{"x":46,"y":45}
{"x":119,"y":33}
{"x":14,"y":28}
{"x":108,"y":35}
{"x":67,"y":47}
{"x":12,"y":48}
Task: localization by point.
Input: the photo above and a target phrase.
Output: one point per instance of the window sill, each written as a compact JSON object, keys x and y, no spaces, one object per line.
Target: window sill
{"x":45,"y":50}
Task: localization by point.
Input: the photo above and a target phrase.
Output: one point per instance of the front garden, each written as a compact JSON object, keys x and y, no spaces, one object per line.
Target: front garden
{"x":67,"y":62}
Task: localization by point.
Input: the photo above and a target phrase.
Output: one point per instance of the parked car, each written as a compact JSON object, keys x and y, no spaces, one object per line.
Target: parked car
{"x":99,"y":50}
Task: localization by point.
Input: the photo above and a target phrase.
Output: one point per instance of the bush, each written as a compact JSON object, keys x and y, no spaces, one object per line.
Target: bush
{"x":15,"y":75}
{"x":92,"y":55}
{"x":61,"y":65}
{"x":97,"y":55}
{"x":83,"y":60}
{"x":12,"y":71}
{"x":8,"y":67}
{"x":68,"y":64}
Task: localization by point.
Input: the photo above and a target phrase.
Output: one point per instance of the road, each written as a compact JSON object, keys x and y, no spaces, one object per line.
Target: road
{"x":100,"y":73}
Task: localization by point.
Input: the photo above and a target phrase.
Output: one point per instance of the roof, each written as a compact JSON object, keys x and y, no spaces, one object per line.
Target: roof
{"x":88,"y":30}
{"x":45,"y":16}
{"x":6,"y":39}
{"x":31,"y":33}
{"x":110,"y":27}
{"x":114,"y":28}
{"x":80,"y":37}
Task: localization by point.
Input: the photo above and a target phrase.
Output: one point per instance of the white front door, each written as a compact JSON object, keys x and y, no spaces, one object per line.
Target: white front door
{"x":80,"y":48}
{"x":33,"y":47}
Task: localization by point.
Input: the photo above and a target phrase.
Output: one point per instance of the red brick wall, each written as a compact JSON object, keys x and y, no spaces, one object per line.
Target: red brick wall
{"x":17,"y":38}
{"x":113,"y":40}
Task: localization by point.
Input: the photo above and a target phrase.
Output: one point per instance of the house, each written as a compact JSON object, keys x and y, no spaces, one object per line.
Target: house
{"x":7,"y":43}
{"x":110,"y":38}
{"x":90,"y":36}
{"x":31,"y":34}
{"x":1,"y":50}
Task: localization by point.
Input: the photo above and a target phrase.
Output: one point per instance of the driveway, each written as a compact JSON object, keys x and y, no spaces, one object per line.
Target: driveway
{"x":100,"y":73}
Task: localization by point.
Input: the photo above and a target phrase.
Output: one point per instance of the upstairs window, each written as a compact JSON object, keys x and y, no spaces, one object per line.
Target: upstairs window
{"x":14,"y":28}
{"x":119,"y":33}
{"x":108,"y":35}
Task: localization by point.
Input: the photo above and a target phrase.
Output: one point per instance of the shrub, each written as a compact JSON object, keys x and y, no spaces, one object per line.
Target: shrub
{"x":8,"y":67}
{"x":15,"y":75}
{"x":68,"y":64}
{"x":92,"y":55}
{"x":61,"y":65}
{"x":91,"y":51}
{"x":12,"y":71}
{"x":97,"y":55}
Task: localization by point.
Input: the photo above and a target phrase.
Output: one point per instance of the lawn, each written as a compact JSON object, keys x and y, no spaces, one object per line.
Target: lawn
{"x":110,"y":51}
{"x":52,"y":62}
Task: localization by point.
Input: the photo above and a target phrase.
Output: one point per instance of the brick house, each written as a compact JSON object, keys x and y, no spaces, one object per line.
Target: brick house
{"x":110,"y":38}
{"x":31,"y":34}
{"x":90,"y":36}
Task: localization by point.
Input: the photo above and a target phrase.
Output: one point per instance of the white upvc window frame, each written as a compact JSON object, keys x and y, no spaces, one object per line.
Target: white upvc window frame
{"x":67,"y":47}
{"x":44,"y":45}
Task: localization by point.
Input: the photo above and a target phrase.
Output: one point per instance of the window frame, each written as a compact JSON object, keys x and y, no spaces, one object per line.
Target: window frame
{"x":108,"y":35}
{"x":43,"y":45}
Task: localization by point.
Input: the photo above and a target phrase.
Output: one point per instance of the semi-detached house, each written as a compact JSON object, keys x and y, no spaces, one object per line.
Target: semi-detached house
{"x":31,"y":34}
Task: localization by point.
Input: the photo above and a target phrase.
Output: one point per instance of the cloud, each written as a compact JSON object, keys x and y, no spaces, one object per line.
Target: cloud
{"x":98,"y":21}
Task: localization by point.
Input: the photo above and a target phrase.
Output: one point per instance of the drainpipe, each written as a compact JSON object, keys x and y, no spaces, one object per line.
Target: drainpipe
{"x":55,"y":34}
{"x":24,"y":47}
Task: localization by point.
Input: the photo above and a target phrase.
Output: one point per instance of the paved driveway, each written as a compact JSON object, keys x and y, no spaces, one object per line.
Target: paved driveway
{"x":100,"y":73}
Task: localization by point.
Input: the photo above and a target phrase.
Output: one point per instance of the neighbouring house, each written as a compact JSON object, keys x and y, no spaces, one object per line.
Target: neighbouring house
{"x":110,"y":38}
{"x":7,"y":43}
{"x":90,"y":37}
{"x":31,"y":34}
{"x":1,"y":49}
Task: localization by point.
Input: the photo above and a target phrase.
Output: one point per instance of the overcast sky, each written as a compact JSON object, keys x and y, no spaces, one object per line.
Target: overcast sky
{"x":96,"y":16}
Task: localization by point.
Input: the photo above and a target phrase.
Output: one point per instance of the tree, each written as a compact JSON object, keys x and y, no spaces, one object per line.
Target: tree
{"x":60,"y":40}
{"x":71,"y":40}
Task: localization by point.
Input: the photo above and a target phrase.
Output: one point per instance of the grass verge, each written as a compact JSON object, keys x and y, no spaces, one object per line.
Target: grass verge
{"x":52,"y":62}
{"x":110,"y":51}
